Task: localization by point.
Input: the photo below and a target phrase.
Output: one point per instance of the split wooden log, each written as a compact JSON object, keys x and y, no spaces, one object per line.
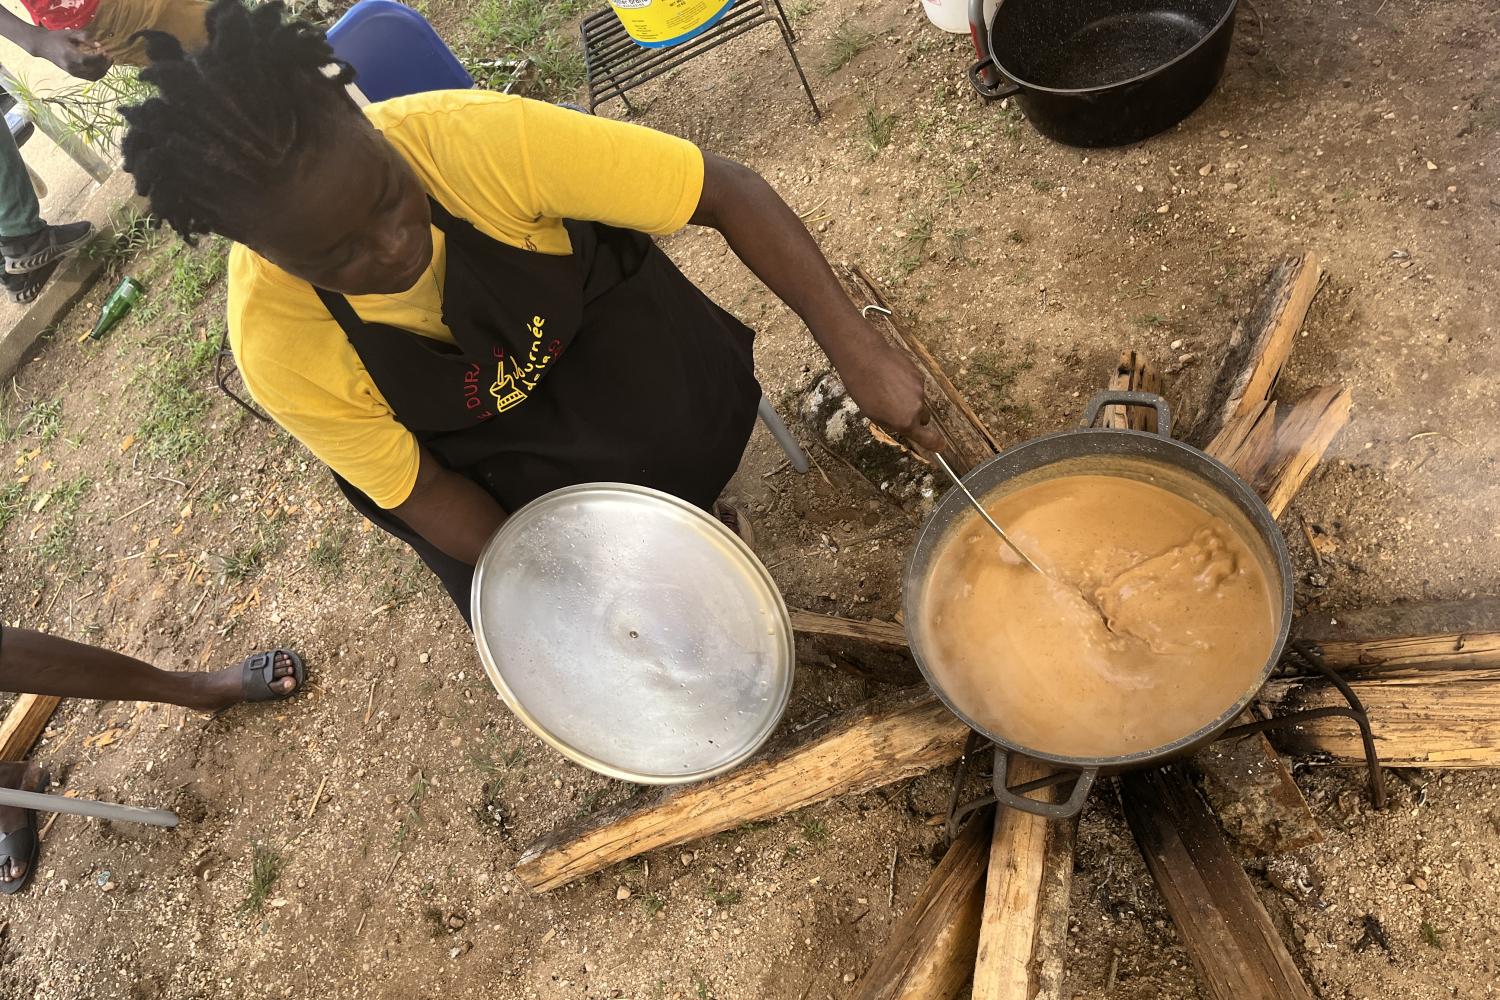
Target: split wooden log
{"x":884,"y":740}
{"x":930,"y":955}
{"x":1246,"y":442}
{"x":1137,"y":374}
{"x":1259,"y":347}
{"x":1258,"y":803}
{"x":1468,"y":615}
{"x":969,"y":440}
{"x":24,"y":724}
{"x":1246,"y":781}
{"x":1023,"y":932}
{"x":834,"y":418}
{"x":878,"y":633}
{"x":1429,"y":714}
{"x":1275,"y":448}
{"x":873,"y":650}
{"x":1234,"y":947}
{"x":1049,"y":952}
{"x":1452,"y":649}
{"x":1304,"y":430}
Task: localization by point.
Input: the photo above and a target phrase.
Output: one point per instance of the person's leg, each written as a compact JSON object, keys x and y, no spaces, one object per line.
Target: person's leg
{"x":20,"y":215}
{"x":31,"y":247}
{"x":44,"y":664}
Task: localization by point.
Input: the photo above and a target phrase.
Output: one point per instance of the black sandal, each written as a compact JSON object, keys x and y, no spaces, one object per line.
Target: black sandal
{"x":259,"y":670}
{"x":23,"y":844}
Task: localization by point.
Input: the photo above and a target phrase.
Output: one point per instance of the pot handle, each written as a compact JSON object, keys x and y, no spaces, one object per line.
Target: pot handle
{"x":982,"y":73}
{"x":1130,"y":397}
{"x":984,"y":76}
{"x":1051,"y":810}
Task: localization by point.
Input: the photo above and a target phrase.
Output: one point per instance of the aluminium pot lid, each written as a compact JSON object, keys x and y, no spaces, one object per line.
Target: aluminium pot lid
{"x":633,"y":632}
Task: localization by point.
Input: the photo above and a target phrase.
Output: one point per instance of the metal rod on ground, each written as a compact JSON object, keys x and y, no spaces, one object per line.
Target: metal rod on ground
{"x":86,"y":807}
{"x":783,"y":436}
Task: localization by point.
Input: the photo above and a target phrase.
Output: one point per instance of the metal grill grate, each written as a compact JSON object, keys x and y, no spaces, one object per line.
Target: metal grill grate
{"x":616,"y":64}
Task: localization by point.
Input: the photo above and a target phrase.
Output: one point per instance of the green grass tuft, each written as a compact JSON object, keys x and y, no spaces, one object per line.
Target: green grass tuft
{"x":328,"y":552}
{"x":999,"y":375}
{"x":265,"y":869}
{"x":10,"y":503}
{"x":42,"y":421}
{"x":723,"y":898}
{"x":131,"y":232}
{"x":848,"y":41}
{"x":57,"y":543}
{"x":914,"y":245}
{"x":955,"y":186}
{"x":177,"y":399}
{"x":1431,"y":935}
{"x":194,"y":271}
{"x":878,"y":129}
{"x":535,"y":30}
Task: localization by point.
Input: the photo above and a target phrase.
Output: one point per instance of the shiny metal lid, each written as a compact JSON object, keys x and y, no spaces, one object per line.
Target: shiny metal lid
{"x":633,"y":632}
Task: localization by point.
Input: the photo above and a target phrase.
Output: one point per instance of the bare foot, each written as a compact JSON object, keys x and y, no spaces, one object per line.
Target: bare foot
{"x":27,"y":777}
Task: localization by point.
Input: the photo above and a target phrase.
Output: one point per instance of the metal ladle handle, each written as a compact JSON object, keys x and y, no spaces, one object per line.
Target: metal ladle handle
{"x":985,"y":514}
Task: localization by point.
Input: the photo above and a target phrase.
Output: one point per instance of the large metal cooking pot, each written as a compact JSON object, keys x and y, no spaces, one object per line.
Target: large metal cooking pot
{"x":1102,"y":72}
{"x":1154,"y":458}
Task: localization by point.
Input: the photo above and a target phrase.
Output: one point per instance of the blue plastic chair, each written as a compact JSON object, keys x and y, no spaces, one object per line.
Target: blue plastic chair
{"x":394,"y":51}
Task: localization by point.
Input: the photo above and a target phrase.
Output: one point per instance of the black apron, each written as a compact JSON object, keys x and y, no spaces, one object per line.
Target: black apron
{"x":604,"y":366}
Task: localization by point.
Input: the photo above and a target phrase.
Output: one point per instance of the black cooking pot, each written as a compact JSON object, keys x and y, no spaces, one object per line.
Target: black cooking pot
{"x":1102,"y":72}
{"x":1154,"y":458}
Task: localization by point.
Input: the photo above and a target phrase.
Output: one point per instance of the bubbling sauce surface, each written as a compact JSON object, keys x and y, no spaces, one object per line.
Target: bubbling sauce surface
{"x":1191,"y":617}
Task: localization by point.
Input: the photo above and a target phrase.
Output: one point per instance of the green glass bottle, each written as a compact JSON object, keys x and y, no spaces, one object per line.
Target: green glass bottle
{"x":126,"y":294}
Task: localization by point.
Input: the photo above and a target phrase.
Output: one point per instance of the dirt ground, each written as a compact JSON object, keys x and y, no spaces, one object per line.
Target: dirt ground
{"x":142,"y":510}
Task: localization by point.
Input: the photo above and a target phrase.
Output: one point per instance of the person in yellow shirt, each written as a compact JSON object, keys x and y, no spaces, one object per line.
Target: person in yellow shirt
{"x":453,"y":300}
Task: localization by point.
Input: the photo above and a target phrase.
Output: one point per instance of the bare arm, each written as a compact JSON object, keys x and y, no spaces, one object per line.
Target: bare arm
{"x":451,"y":511}
{"x":71,"y":50}
{"x":767,"y":235}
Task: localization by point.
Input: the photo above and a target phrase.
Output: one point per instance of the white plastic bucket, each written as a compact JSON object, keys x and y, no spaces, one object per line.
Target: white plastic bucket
{"x":656,"y":24}
{"x":953,"y":15}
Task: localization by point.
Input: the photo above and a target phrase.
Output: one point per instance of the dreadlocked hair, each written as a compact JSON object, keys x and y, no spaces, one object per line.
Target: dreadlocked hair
{"x":230,"y":120}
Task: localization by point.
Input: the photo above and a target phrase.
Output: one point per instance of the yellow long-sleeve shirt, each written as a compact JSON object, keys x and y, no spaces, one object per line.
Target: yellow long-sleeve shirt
{"x":512,"y":167}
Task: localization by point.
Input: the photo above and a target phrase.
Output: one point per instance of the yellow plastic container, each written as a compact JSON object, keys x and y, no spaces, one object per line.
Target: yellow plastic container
{"x":657,"y":24}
